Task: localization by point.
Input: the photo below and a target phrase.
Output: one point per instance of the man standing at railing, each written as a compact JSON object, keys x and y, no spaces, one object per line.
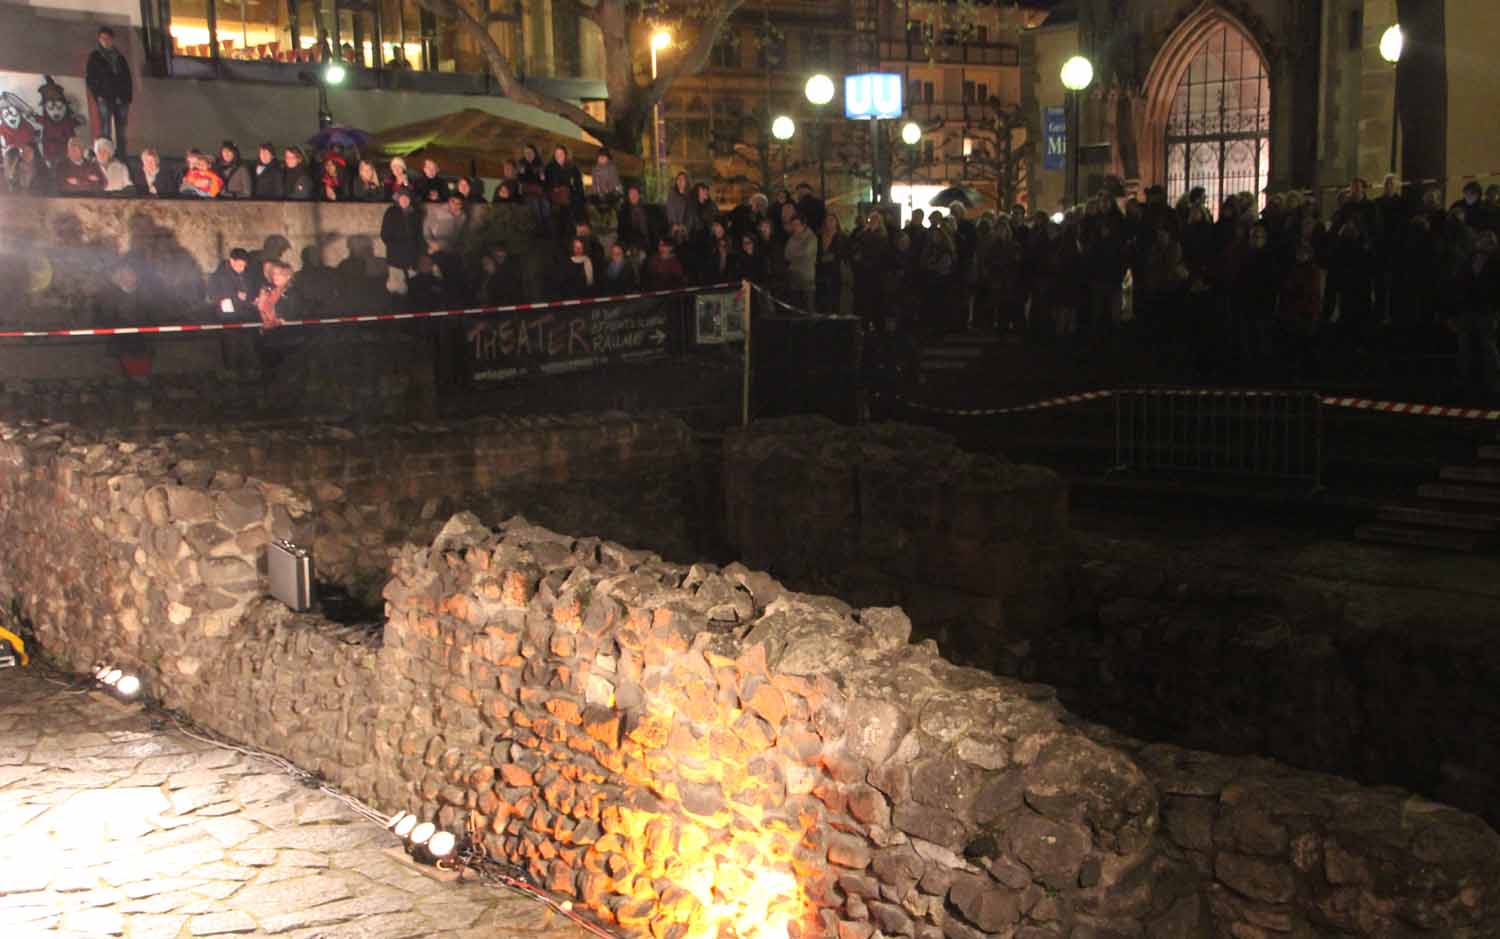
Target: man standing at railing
{"x":108,"y":78}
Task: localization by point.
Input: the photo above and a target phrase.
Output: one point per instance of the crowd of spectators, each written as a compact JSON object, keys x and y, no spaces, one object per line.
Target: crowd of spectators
{"x":1254,"y":282}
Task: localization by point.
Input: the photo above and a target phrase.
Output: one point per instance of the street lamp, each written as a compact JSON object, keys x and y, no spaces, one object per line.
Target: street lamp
{"x":782,"y":129}
{"x":911,"y":135}
{"x":332,"y":73}
{"x":660,"y":40}
{"x":819,"y":91}
{"x":1077,"y":74}
{"x":1392,"y":41}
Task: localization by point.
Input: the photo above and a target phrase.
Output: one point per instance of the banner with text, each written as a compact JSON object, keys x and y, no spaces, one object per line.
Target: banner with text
{"x":1055,"y":138}
{"x":571,"y":338}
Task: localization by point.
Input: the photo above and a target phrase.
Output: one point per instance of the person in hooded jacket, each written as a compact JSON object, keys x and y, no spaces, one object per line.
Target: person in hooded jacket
{"x":682,"y":214}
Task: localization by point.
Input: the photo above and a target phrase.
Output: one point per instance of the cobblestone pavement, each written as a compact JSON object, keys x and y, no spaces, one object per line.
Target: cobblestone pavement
{"x":110,"y":828}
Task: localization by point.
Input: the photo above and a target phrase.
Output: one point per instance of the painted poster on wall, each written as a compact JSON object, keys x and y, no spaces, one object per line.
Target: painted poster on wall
{"x":719,"y":317}
{"x":44,"y":111}
{"x":1055,"y":139}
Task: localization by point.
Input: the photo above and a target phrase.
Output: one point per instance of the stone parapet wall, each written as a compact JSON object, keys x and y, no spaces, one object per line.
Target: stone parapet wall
{"x":680,"y":747}
{"x":374,"y":487}
{"x":897,"y":513}
{"x":131,"y":553}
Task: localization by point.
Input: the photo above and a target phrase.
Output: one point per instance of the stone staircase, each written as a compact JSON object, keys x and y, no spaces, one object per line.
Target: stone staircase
{"x":1459,"y":512}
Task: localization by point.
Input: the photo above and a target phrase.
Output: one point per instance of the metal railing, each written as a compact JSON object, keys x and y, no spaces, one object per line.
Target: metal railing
{"x":1245,"y":433}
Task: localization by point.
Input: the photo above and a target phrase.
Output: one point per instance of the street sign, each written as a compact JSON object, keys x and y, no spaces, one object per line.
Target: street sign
{"x":872,"y":95}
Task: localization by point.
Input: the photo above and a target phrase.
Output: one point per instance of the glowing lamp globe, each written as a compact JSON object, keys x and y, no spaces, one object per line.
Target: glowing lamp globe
{"x":911,"y":133}
{"x":1077,"y":73}
{"x":783,"y":128}
{"x":128,"y":686}
{"x":333,"y":73}
{"x":819,"y":89}
{"x":661,"y":39}
{"x":1391,"y":43}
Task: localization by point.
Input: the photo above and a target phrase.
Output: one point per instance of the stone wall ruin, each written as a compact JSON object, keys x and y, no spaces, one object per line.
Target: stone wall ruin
{"x":684,"y":748}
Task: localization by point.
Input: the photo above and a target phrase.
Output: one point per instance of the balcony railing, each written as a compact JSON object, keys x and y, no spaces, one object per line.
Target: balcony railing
{"x":969,"y":53}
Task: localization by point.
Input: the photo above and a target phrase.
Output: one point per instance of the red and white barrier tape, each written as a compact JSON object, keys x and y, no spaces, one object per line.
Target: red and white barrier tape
{"x":352,"y":319}
{"x":1358,"y":404}
{"x":1034,"y":406}
{"x":1419,"y":410}
{"x":801,"y":313}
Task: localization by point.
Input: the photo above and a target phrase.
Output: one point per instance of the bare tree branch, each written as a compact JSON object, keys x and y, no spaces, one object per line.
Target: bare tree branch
{"x":502,"y":71}
{"x":692,"y":61}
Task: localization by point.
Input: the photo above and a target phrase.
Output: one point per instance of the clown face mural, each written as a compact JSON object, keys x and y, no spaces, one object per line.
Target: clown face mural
{"x":58,"y":122}
{"x":18,"y":123}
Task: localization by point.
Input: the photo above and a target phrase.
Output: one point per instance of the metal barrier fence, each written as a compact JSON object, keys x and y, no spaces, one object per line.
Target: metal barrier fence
{"x":1273,"y":435}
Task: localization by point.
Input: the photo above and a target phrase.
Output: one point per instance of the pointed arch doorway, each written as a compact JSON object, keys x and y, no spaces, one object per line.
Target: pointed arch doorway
{"x":1208,"y":110}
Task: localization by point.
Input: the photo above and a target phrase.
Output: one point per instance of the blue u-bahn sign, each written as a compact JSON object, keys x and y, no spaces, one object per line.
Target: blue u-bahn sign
{"x":872,"y":95}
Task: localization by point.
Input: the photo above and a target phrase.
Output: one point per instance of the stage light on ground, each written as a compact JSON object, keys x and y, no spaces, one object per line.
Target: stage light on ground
{"x":395,"y":820}
{"x":128,"y":685}
{"x":112,"y":677}
{"x":422,"y":833}
{"x":403,"y":828}
{"x":441,"y":844}
{"x":1058,"y":217}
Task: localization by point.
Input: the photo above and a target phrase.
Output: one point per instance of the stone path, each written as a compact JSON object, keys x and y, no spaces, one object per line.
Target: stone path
{"x":109,"y":828}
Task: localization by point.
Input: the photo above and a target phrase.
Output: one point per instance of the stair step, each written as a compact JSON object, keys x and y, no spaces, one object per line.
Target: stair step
{"x":952,"y":352}
{"x":1420,"y":537}
{"x":1454,"y":492}
{"x":1471,"y":474}
{"x":1439,"y":516}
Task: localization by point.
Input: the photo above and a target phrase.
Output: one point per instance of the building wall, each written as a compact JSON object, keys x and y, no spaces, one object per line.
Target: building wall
{"x":1126,"y":40}
{"x":174,"y":114}
{"x":1473,"y":35}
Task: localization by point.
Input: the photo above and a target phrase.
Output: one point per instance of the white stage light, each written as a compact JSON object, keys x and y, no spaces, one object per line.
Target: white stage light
{"x":422,"y":833}
{"x":404,"y":827}
{"x":441,"y":844}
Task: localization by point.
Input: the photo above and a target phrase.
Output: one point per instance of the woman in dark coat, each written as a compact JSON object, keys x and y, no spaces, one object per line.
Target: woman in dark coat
{"x":401,"y":231}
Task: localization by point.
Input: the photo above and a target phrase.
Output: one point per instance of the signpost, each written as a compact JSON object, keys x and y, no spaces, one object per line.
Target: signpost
{"x":873,"y":96}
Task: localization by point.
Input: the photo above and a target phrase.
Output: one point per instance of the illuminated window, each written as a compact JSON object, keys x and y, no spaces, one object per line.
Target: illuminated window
{"x":1218,"y":133}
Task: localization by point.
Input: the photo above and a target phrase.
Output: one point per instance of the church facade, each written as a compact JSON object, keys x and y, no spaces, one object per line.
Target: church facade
{"x":1256,"y":95}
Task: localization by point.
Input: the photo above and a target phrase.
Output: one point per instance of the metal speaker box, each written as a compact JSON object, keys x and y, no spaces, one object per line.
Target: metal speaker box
{"x":291,"y":574}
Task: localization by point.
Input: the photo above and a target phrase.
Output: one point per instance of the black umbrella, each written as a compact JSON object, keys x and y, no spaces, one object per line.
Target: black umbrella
{"x":953,"y":194}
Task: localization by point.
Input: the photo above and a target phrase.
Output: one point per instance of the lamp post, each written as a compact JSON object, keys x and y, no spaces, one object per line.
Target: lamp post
{"x":660,"y":40}
{"x":1077,"y":74}
{"x":911,"y":135}
{"x":332,"y":73}
{"x":782,"y":129}
{"x":819,"y":91}
{"x":1392,"y":41}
